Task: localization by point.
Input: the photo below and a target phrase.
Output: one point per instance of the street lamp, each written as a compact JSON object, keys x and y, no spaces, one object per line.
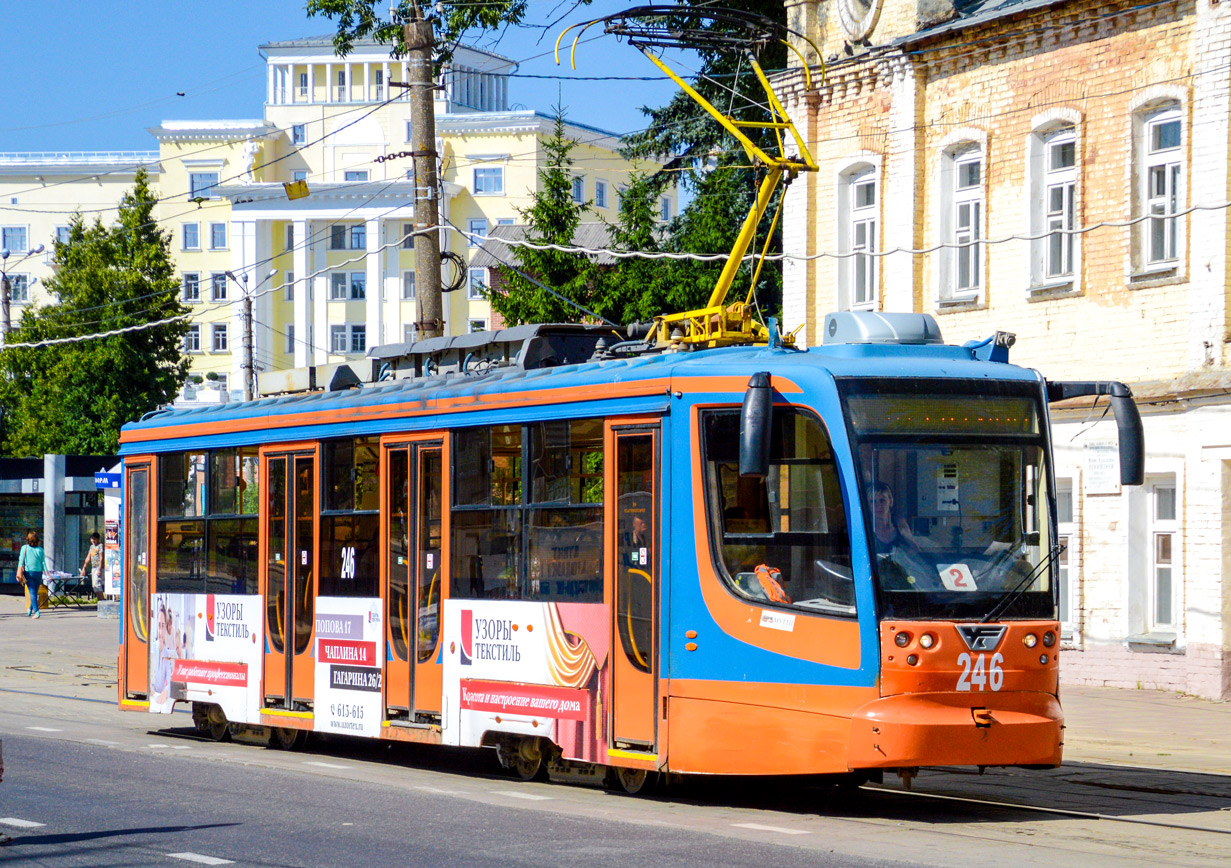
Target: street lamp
{"x":249,"y":370}
{"x":6,"y":290}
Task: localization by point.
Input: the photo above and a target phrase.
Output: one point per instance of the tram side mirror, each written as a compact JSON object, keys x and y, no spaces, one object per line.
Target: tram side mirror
{"x":755,"y":427}
{"x":1128,"y":422}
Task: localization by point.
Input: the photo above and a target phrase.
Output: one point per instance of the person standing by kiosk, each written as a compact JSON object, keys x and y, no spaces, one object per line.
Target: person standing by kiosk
{"x":31,"y":562}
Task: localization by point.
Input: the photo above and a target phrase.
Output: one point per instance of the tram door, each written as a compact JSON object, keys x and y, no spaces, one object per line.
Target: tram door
{"x":288,"y":582}
{"x":137,"y":579}
{"x":636,"y":548}
{"x":414,"y":569}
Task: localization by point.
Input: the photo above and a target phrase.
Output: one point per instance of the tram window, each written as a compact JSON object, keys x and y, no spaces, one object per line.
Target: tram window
{"x":231,"y":566}
{"x":566,"y":464}
{"x":565,"y":548}
{"x":181,"y":557}
{"x":487,"y":466}
{"x":794,"y":520}
{"x":352,"y":475}
{"x":233,"y":475}
{"x":486,"y":553}
{"x":181,"y":485}
{"x":350,"y":555}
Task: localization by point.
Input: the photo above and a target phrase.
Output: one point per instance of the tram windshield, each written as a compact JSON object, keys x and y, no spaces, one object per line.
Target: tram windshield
{"x":955,"y":494}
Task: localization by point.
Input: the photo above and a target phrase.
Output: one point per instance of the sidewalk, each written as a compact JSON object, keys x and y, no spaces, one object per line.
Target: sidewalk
{"x":75,"y":651}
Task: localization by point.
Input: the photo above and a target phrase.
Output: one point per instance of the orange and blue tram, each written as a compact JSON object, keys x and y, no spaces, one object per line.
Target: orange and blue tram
{"x":735,"y":561}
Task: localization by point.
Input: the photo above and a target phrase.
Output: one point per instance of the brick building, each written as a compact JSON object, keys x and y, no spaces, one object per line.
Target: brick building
{"x":1058,"y":169}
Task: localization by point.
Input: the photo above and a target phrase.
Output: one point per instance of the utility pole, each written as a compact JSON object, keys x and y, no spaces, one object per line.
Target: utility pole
{"x":420,"y":44}
{"x":246,"y":365}
{"x":5,"y":310}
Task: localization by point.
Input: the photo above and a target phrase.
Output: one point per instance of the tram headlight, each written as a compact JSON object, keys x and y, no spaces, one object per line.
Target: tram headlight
{"x":1030,"y":640}
{"x":902,"y":639}
{"x":926,"y":641}
{"x":1049,"y":639}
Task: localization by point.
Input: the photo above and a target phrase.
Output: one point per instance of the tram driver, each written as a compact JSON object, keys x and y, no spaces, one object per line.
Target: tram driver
{"x":898,"y":551}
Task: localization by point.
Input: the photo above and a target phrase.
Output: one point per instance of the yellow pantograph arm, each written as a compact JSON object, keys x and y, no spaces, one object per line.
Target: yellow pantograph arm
{"x":746,"y":233}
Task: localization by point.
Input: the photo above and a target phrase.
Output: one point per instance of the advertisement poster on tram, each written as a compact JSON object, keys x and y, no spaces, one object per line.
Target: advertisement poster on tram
{"x":537,"y":669}
{"x":350,"y":659}
{"x":206,"y":648}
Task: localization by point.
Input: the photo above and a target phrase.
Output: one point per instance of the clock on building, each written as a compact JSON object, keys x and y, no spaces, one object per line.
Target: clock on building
{"x":858,"y":17}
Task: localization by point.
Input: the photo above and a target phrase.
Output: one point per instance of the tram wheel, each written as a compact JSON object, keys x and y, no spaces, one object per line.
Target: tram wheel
{"x":286,"y":738}
{"x":210,"y":721}
{"x":525,"y":760}
{"x":631,"y":781}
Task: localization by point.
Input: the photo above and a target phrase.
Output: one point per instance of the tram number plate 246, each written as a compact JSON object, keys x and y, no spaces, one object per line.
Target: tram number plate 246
{"x":978,"y":673}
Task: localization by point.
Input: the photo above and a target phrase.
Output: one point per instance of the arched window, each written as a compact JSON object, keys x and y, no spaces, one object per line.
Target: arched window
{"x":858,"y":211}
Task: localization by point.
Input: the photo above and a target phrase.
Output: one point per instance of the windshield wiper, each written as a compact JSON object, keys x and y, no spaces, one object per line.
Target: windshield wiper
{"x":1009,"y":596}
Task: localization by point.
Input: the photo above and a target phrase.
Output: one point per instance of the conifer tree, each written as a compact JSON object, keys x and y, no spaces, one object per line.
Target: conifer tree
{"x":72,"y":398}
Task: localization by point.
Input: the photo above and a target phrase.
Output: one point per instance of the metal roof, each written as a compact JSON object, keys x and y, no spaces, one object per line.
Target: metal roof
{"x":972,"y":13}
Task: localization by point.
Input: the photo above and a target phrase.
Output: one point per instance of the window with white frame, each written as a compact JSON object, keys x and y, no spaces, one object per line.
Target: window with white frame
{"x":408,"y":285}
{"x":478,"y":325}
{"x":217,"y":236}
{"x":220,"y":337}
{"x":290,"y":237}
{"x":358,"y":339}
{"x":219,"y":381}
{"x":664,"y":208}
{"x":1162,"y":180}
{"x":338,"y":286}
{"x":1066,"y":561}
{"x":218,"y":286}
{"x":337,"y":339}
{"x":579,"y":190}
{"x":858,"y":202}
{"x":192,"y":236}
{"x":303,"y":85}
{"x":192,"y":339}
{"x":357,"y":175}
{"x":341,"y":89}
{"x":19,"y":288}
{"x":298,"y":134}
{"x":504,"y":221}
{"x":476,"y":289}
{"x":1053,"y":178}
{"x":201,"y":185}
{"x":489,"y":180}
{"x":192,"y":286}
{"x":299,"y":175}
{"x":1164,"y":560}
{"x":290,"y":338}
{"x":358,"y":285}
{"x":62,"y":234}
{"x":410,"y":333}
{"x":359,"y":236}
{"x":600,"y":194}
{"x":15,"y":238}
{"x":408,"y":239}
{"x":965,"y":223}
{"x":288,"y":286}
{"x":477,"y":228}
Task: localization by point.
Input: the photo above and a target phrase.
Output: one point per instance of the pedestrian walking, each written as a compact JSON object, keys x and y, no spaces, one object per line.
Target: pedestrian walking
{"x":31,"y":562}
{"x":94,"y":563}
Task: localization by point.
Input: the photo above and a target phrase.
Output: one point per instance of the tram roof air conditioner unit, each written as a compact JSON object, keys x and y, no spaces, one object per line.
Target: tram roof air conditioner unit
{"x":870,"y":327}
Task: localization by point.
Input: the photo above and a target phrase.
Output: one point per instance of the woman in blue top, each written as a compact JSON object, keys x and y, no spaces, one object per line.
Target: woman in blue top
{"x":32,"y":560}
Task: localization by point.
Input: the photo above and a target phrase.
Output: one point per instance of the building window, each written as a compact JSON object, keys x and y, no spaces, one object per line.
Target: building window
{"x":338,"y":290}
{"x":358,"y":339}
{"x":303,"y":85}
{"x":337,"y":339}
{"x":579,"y":190}
{"x":290,"y":339}
{"x":341,"y":90}
{"x":358,"y":286}
{"x":478,"y":325}
{"x":217,"y":236}
{"x":192,"y":286}
{"x":600,"y":194}
{"x":357,"y":175}
{"x":298,"y":134}
{"x":15,"y":238}
{"x":192,"y":236}
{"x":218,"y":287}
{"x":62,"y":234}
{"x":299,"y":175}
{"x":359,"y":237}
{"x":219,"y":381}
{"x":288,"y":286}
{"x":220,"y":337}
{"x":1066,"y":561}
{"x":337,"y":237}
{"x":408,"y":238}
{"x":857,"y":224}
{"x":478,"y":231}
{"x":1162,"y":180}
{"x":664,"y":208}
{"x":1164,"y":539}
{"x":408,"y":285}
{"x":192,"y":340}
{"x":290,"y":237}
{"x":504,"y":221}
{"x":201,"y":185}
{"x":19,"y":288}
{"x":963,"y":186}
{"x":410,"y":333}
{"x":489,"y":181}
{"x":476,"y":289}
{"x":1054,"y":196}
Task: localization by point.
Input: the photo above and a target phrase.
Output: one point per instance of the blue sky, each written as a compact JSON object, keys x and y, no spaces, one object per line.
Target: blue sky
{"x":92,"y":75}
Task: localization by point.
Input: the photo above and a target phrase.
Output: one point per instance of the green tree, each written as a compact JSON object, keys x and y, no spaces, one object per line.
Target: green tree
{"x":634,"y":289}
{"x":552,"y":218}
{"x":73,"y":397}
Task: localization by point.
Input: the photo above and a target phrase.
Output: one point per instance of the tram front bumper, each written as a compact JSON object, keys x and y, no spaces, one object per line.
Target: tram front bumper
{"x":937,"y":729}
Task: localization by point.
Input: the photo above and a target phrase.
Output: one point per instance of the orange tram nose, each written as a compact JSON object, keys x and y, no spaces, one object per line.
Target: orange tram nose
{"x":963,"y":694}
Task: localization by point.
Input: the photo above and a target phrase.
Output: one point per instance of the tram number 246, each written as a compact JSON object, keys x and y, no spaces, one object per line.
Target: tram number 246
{"x":980,"y":674}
